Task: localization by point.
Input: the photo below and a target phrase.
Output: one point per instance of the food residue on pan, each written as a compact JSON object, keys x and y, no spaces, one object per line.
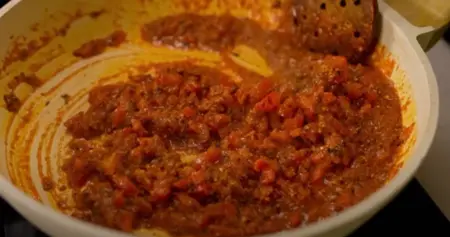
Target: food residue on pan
{"x":12,"y":102}
{"x":66,"y":98}
{"x":98,"y":46}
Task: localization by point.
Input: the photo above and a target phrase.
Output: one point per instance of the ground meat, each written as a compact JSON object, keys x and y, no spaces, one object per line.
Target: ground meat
{"x":47,"y":183}
{"x":190,"y":151}
{"x":98,"y":46}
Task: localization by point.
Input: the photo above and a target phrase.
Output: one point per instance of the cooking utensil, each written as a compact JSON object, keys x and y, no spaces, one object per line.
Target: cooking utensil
{"x":39,"y":37}
{"x":344,"y":27}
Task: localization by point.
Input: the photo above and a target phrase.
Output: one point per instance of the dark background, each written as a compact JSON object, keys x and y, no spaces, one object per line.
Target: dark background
{"x":411,"y":213}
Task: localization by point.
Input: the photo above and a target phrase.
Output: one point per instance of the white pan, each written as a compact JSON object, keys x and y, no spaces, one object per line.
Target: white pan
{"x":32,"y":142}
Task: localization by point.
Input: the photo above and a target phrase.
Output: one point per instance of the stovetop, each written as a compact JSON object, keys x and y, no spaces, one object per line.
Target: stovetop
{"x":411,"y":212}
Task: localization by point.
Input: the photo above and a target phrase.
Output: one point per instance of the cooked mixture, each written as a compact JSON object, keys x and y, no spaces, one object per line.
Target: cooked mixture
{"x":189,"y":150}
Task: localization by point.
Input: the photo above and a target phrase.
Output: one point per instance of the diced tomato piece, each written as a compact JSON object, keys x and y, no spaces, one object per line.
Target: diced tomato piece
{"x":118,"y":116}
{"x":233,"y":140}
{"x":169,"y":80}
{"x":204,"y":220}
{"x":319,"y":172}
{"x":268,"y":176}
{"x":308,"y":104}
{"x":122,"y":182}
{"x":138,"y":127}
{"x":339,"y":65}
{"x":354,"y":90}
{"x":118,"y":199}
{"x":328,"y":98}
{"x":181,"y":184}
{"x":187,"y":201}
{"x":344,"y":103}
{"x":295,"y":219}
{"x":161,"y":190}
{"x":80,"y":179}
{"x":137,"y":155}
{"x":299,"y":156}
{"x":293,"y":123}
{"x":191,"y":87}
{"x":263,"y":88}
{"x":296,"y":132}
{"x":110,"y":164}
{"x":218,"y":121}
{"x":203,"y":190}
{"x":261,"y":164}
{"x":317,"y":157}
{"x":126,"y":220}
{"x":269,"y":103}
{"x":189,"y":112}
{"x":287,"y":108}
{"x":212,"y":155}
{"x":365,"y":109}
{"x":242,"y":95}
{"x":79,"y":164}
{"x":371,"y":96}
{"x":344,"y":199}
{"x":198,"y":177}
{"x":280,"y":136}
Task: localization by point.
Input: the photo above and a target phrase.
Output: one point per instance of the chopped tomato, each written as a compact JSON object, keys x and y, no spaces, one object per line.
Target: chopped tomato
{"x":203,"y":190}
{"x":354,"y":90}
{"x":138,"y":127}
{"x":233,"y":140}
{"x":110,"y":164}
{"x":287,"y":109}
{"x":198,"y":177}
{"x":161,"y":190}
{"x":126,"y":220}
{"x":268,"y":176}
{"x":344,"y":103}
{"x":344,"y":199}
{"x":118,"y":116}
{"x":263,"y":88}
{"x":118,"y":199}
{"x":371,"y":96}
{"x":79,"y":164}
{"x":317,"y":157}
{"x":328,"y":98}
{"x":269,"y":103}
{"x":339,"y":65}
{"x":169,"y":80}
{"x":191,"y":87}
{"x":280,"y":136}
{"x":308,"y":104}
{"x":295,"y":219}
{"x":218,"y":121}
{"x":187,"y":201}
{"x":125,"y":184}
{"x":296,"y":132}
{"x":181,"y":184}
{"x":189,"y":112}
{"x":79,"y":179}
{"x":319,"y":172}
{"x":365,"y":109}
{"x":212,"y":155}
{"x":293,"y":123}
{"x":261,"y":164}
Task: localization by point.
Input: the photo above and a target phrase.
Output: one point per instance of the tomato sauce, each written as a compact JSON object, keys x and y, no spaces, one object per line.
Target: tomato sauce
{"x":190,"y":151}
